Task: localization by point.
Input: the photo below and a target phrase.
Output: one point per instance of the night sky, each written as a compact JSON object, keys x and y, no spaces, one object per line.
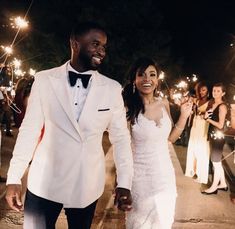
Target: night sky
{"x":202,"y":34}
{"x":201,"y":31}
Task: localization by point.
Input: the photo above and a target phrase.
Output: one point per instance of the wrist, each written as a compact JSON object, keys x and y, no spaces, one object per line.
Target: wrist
{"x":183,"y":117}
{"x":179,"y":128}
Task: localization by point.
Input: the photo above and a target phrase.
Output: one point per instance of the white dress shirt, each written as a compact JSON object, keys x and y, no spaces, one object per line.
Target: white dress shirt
{"x":78,"y":92}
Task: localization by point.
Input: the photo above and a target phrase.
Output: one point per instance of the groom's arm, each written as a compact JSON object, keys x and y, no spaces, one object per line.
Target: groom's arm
{"x":120,"y":138}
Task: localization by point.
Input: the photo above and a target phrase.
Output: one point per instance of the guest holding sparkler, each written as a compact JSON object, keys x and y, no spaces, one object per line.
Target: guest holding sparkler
{"x":232,"y":116}
{"x":197,"y":164}
{"x":233,"y":126}
{"x":215,"y":116}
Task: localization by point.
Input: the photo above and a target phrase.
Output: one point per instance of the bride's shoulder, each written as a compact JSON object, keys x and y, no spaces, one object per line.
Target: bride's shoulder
{"x":163,"y":100}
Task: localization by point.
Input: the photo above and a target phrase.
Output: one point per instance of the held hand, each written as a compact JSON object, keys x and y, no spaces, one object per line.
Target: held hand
{"x":13,"y":197}
{"x":123,"y":199}
{"x":208,"y":114}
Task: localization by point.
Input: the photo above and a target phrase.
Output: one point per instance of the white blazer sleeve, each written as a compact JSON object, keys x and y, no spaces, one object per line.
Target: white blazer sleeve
{"x":28,"y":136}
{"x":120,"y":138}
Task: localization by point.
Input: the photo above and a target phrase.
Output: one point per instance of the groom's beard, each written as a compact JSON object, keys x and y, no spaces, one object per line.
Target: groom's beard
{"x":86,"y":61}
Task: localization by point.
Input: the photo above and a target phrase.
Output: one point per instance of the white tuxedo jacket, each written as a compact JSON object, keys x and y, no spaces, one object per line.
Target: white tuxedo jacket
{"x":68,"y":163}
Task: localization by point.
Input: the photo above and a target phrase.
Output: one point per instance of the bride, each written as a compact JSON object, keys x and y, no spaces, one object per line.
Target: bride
{"x":153,"y":187}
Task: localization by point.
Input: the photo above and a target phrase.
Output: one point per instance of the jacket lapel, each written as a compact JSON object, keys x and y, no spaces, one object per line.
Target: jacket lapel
{"x":59,"y":83}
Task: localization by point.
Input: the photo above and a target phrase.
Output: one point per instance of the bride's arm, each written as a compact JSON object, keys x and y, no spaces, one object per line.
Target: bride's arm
{"x":178,"y":128}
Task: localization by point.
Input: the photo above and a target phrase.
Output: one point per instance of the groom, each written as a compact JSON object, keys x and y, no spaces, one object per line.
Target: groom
{"x":73,"y":104}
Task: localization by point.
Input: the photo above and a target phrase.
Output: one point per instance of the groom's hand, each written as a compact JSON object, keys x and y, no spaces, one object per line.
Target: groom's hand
{"x":123,"y":199}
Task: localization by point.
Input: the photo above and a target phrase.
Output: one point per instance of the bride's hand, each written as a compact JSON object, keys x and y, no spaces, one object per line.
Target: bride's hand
{"x":186,"y":108}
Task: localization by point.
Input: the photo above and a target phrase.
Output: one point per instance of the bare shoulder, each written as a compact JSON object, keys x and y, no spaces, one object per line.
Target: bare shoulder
{"x":223,"y":107}
{"x":165,"y":102}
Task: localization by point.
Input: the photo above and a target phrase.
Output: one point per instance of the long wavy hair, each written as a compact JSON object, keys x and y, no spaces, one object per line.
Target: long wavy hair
{"x":131,"y":96}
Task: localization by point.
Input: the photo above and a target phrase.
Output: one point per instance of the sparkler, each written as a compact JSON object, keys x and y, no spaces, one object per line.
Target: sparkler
{"x":194,"y":78}
{"x":7,"y":49}
{"x":16,"y":63}
{"x":182,"y":85}
{"x":32,"y":72}
{"x":19,"y":72}
{"x":217,"y":135}
{"x":162,"y":76}
{"x":19,"y":23}
{"x":177,"y":96}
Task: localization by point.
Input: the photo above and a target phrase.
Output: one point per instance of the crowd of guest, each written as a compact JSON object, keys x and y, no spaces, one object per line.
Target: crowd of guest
{"x":12,"y":108}
{"x":211,"y":116}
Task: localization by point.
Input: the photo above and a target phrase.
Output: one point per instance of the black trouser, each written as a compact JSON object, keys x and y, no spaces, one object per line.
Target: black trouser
{"x":40,"y":213}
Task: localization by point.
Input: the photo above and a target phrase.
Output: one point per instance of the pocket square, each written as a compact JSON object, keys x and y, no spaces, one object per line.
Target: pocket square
{"x":107,"y":109}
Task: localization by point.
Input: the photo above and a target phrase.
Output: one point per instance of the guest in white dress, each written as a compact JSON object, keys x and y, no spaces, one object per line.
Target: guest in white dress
{"x":153,"y":187}
{"x":198,"y":153}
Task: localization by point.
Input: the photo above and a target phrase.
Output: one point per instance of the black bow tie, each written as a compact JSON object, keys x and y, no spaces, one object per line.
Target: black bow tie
{"x":73,"y":76}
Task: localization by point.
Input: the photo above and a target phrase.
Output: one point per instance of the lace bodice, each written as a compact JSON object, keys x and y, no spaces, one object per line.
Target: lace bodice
{"x":153,"y":170}
{"x":153,"y":186}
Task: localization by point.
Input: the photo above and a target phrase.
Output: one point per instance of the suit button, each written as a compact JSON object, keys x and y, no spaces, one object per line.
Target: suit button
{"x":75,"y":104}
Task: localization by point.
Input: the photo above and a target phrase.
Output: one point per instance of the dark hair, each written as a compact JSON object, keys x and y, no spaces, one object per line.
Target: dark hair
{"x":24,"y":86}
{"x":28,"y":86}
{"x":83,"y":28}
{"x":220,"y":85}
{"x":131,"y":97}
{"x":199,"y":86}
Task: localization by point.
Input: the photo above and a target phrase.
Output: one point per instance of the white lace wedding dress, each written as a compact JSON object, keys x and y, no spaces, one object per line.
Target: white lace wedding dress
{"x":154,"y":187}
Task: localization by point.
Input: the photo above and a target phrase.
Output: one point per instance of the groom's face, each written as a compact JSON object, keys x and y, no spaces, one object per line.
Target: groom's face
{"x":92,"y":49}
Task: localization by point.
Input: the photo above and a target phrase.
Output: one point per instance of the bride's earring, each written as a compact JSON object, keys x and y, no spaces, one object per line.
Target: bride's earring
{"x":133,"y":88}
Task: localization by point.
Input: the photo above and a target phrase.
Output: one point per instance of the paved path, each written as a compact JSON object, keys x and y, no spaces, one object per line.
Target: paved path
{"x":193,"y":210}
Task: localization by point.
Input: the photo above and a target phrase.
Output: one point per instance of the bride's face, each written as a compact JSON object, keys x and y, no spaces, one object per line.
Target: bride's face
{"x":147,"y":81}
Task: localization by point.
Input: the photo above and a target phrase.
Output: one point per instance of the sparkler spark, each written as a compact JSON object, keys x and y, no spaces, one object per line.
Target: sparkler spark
{"x":217,"y":135}
{"x":7,"y":49}
{"x":16,"y":63}
{"x":19,"y":72}
{"x":32,"y":72}
{"x":182,"y":84}
{"x":194,"y":78}
{"x":177,"y":96}
{"x":162,"y":76}
{"x":19,"y":23}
